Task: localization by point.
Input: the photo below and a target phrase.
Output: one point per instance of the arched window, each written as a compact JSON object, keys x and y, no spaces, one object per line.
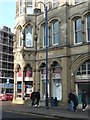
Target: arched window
{"x":55,"y":32}
{"x":78,"y":31}
{"x":28,"y":36}
{"x":84,"y":69}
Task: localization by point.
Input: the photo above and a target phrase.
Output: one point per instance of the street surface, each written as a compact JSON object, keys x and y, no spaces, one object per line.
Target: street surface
{"x":17,"y":115}
{"x":7,"y":114}
{"x":11,"y":111}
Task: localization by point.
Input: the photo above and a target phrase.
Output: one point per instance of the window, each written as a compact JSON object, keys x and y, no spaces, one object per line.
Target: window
{"x":55,"y":32}
{"x":84,"y":69}
{"x":79,"y":1}
{"x":20,"y":37}
{"x":77,"y":31}
{"x":44,"y":36}
{"x":55,"y":3}
{"x":88,"y":28}
{"x":29,"y":7}
{"x":20,"y":7}
{"x":28,"y":36}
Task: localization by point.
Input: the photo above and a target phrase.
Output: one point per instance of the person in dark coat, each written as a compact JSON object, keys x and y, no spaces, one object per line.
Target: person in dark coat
{"x":84,"y":100}
{"x":33,"y":97}
{"x":70,"y":101}
{"x":75,"y":100}
{"x":37,"y":98}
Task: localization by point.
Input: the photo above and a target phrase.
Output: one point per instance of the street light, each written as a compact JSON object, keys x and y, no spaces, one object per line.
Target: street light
{"x":46,"y":40}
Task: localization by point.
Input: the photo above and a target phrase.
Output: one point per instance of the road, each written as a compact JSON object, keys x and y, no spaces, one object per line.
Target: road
{"x":11,"y":111}
{"x":10,"y":115}
{"x":13,"y":115}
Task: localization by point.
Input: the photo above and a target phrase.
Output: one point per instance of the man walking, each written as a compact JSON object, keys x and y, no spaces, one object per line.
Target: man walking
{"x":71,"y":103}
{"x":33,"y":97}
{"x":84,"y":100}
{"x":37,"y":98}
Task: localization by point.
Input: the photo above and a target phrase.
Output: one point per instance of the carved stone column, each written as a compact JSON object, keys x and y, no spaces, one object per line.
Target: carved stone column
{"x":15,"y":85}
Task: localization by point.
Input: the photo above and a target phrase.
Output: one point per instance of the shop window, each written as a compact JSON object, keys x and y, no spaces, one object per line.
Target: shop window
{"x":29,"y":73}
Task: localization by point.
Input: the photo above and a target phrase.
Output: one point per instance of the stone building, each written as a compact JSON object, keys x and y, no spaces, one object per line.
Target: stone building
{"x":68,"y":49}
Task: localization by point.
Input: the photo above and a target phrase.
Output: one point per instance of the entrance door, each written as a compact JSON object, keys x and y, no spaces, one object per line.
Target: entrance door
{"x":57,"y":89}
{"x":81,"y":87}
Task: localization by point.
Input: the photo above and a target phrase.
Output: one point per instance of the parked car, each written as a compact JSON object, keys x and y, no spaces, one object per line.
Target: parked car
{"x":9,"y":96}
{"x":6,"y":97}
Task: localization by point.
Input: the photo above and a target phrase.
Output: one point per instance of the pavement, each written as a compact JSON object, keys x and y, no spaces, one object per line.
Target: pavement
{"x":52,"y":111}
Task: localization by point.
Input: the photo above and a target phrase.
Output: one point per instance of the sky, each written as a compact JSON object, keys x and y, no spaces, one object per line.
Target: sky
{"x":7,"y":13}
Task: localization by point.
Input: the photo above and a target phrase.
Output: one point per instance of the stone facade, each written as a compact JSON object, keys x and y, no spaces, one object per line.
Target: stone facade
{"x":64,"y":59}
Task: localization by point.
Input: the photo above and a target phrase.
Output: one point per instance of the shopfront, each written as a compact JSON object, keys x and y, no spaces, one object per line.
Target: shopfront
{"x":57,"y":83}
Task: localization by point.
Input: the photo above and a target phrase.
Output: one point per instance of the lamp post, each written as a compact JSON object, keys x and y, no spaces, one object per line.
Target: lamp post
{"x":46,"y":25}
{"x":46,"y":40}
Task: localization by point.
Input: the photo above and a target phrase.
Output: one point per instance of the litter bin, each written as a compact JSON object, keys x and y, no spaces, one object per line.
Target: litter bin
{"x":53,"y":101}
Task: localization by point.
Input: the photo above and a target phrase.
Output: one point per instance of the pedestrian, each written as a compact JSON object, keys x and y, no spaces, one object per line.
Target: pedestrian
{"x":75,"y":100}
{"x":37,"y":98}
{"x":84,"y":100}
{"x":33,"y":97}
{"x":70,"y":101}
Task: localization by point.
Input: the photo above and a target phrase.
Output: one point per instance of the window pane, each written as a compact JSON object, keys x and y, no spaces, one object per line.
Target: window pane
{"x":88,"y":21}
{"x":29,"y":10}
{"x":78,"y":37}
{"x":84,"y":67}
{"x":29,"y":6}
{"x":88,"y":66}
{"x":78,"y":24}
{"x":44,"y":36}
{"x":83,"y":72}
{"x":20,"y":38}
{"x":20,"y":7}
{"x":89,"y":72}
{"x":78,"y":31}
{"x":28,"y":37}
{"x":55,"y":32}
{"x":88,"y":27}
